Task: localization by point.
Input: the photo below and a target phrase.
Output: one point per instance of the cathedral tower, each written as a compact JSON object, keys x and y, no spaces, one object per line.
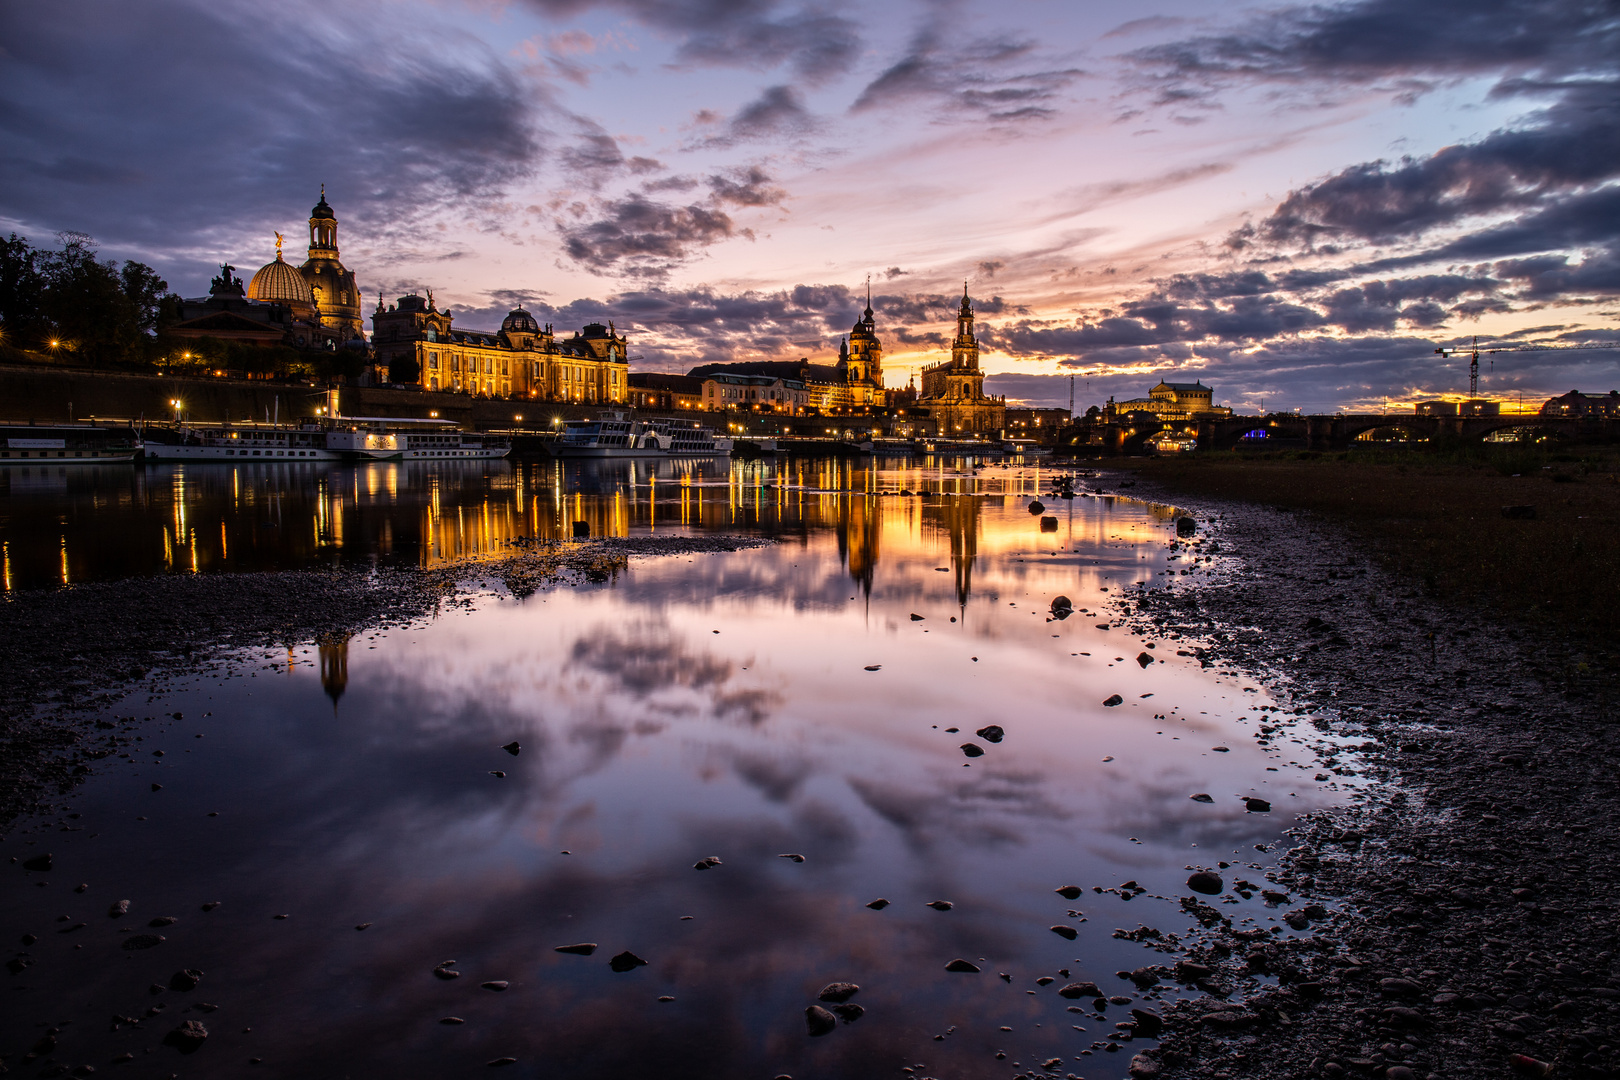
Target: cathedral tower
{"x":337,"y":298}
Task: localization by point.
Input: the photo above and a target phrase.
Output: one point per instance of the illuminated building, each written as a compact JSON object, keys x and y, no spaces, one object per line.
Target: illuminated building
{"x":855,"y":381}
{"x":953,"y":391}
{"x":313,"y":306}
{"x":418,"y":343}
{"x":1173,"y":401}
{"x":661,"y":390}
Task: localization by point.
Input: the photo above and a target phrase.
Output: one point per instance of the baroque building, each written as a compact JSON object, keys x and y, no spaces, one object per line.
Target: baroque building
{"x":855,"y":381}
{"x":420,"y":344}
{"x":953,"y":390}
{"x":1173,"y":401}
{"x":322,"y":291}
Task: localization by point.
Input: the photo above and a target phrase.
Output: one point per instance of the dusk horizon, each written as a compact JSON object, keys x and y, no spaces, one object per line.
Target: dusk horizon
{"x":1295,"y":205}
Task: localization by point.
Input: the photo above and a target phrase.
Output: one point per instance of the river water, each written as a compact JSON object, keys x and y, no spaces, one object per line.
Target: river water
{"x":778,"y":701}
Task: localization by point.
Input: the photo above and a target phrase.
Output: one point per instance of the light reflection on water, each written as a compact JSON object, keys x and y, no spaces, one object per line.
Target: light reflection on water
{"x":697,"y":705}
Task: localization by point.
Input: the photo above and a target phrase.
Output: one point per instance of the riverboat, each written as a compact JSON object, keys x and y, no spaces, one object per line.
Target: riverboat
{"x":615,"y":435}
{"x":66,"y":444}
{"x":348,"y":439}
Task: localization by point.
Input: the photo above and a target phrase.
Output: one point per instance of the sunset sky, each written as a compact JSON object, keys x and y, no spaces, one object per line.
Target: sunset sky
{"x":1294,"y":204}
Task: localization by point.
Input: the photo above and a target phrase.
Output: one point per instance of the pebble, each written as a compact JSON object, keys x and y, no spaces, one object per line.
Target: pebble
{"x":1113,"y":699}
{"x":513,"y":747}
{"x":584,"y":948}
{"x":163,"y":920}
{"x":940,"y":905}
{"x":1206,"y":882}
{"x":707,"y":863}
{"x":118,"y":910}
{"x":1070,"y":892}
{"x":451,"y":1020}
{"x":497,"y":774}
{"x":185,"y":980}
{"x":962,"y":967}
{"x":496,"y":1063}
{"x":445,"y":971}
{"x":188,"y":1036}
{"x":838,"y":992}
{"x":849,"y":1013}
{"x":142,"y":941}
{"x":992,"y":733}
{"x":819,"y":1021}
{"x":496,"y":985}
{"x":879,"y":904}
{"x":794,"y":858}
{"x":1256,"y":806}
{"x":362,"y":926}
{"x":1067,"y":932}
{"x":626,"y":961}
{"x":1203,"y":797}
{"x":972,"y":750}
{"x":1145,"y":659}
{"x":1079,"y":990}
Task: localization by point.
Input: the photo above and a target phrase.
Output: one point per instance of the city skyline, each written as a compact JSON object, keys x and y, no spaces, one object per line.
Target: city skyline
{"x":1294,"y":204}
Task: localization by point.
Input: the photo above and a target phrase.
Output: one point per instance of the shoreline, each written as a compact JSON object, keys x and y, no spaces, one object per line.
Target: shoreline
{"x":75,"y":651}
{"x":1472,"y":929}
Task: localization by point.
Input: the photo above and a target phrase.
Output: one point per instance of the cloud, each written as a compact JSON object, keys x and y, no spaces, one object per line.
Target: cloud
{"x":756,"y":34}
{"x":989,"y":267}
{"x":948,"y":68}
{"x":777,"y":114}
{"x":256,"y":114}
{"x":1569,"y":145}
{"x":643,"y":237}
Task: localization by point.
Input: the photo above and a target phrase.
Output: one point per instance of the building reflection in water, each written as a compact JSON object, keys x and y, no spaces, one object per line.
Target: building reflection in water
{"x":111,"y":523}
{"x":334,"y":655}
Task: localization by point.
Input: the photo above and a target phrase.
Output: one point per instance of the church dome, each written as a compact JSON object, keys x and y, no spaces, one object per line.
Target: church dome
{"x":520,"y":321}
{"x":277,"y":282}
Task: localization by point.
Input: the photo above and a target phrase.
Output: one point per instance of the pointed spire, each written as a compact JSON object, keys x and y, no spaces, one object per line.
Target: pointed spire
{"x":868,"y":297}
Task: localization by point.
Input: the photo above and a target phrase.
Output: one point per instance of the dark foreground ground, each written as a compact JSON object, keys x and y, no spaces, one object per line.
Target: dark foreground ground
{"x":1462,"y":922}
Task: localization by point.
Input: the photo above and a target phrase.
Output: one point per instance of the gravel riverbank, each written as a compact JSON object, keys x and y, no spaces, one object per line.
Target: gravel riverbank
{"x":1460,"y":921}
{"x":73,"y":652}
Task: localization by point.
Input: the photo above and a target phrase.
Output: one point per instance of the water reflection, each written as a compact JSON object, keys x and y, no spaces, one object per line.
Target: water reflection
{"x":106,"y":522}
{"x":704,"y":705}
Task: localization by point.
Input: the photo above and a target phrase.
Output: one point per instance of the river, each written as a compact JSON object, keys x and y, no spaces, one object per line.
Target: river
{"x":802,"y":712}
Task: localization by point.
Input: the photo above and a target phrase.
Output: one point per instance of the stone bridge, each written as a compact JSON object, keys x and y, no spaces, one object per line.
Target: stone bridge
{"x":1335,"y":431}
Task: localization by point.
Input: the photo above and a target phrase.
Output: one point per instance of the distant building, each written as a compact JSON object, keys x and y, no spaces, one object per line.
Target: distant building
{"x":658,"y":390}
{"x":419,"y":344}
{"x":1173,"y":401}
{"x":313,"y":306}
{"x":226,"y":314}
{"x":953,"y":391}
{"x":855,"y":381}
{"x":755,"y":393}
{"x":1576,"y":403}
{"x":1436,"y":408}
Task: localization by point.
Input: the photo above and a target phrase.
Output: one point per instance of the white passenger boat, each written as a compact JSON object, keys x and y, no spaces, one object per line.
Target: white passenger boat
{"x":615,"y":434}
{"x":64,"y":444}
{"x":355,"y":439}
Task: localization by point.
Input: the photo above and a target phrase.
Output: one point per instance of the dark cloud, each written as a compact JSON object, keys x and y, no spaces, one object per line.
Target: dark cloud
{"x":893,"y":272}
{"x":950,"y":68}
{"x":1567,"y":146}
{"x":989,"y":267}
{"x":239,"y":118}
{"x":756,"y":34}
{"x":642,"y":237}
{"x":777,"y":114}
{"x":1391,"y":41}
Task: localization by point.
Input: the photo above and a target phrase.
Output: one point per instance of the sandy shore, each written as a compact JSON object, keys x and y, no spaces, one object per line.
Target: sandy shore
{"x":1461,"y":921}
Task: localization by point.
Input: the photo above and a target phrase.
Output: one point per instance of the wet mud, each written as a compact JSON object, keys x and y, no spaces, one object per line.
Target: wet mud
{"x":1456,"y":918}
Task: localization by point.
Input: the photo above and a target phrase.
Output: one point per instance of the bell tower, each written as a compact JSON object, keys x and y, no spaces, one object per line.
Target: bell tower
{"x":322,"y":230}
{"x":965,"y":349}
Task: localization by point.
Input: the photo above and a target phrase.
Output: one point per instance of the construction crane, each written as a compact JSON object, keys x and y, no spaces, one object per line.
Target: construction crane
{"x":1475,"y":352}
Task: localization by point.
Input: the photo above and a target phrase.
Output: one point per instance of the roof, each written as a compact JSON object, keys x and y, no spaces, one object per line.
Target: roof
{"x":279,"y":281}
{"x":227,"y":322}
{"x":1184,"y":386}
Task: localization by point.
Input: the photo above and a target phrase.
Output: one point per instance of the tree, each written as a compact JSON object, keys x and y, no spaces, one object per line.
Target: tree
{"x":21,"y":290}
{"x":145,"y":292}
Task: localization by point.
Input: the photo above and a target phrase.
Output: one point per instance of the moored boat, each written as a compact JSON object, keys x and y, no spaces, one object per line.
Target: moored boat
{"x":614,"y":434}
{"x":64,"y":444}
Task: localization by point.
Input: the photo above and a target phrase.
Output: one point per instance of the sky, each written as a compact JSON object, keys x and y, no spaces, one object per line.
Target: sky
{"x":1294,"y":204}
